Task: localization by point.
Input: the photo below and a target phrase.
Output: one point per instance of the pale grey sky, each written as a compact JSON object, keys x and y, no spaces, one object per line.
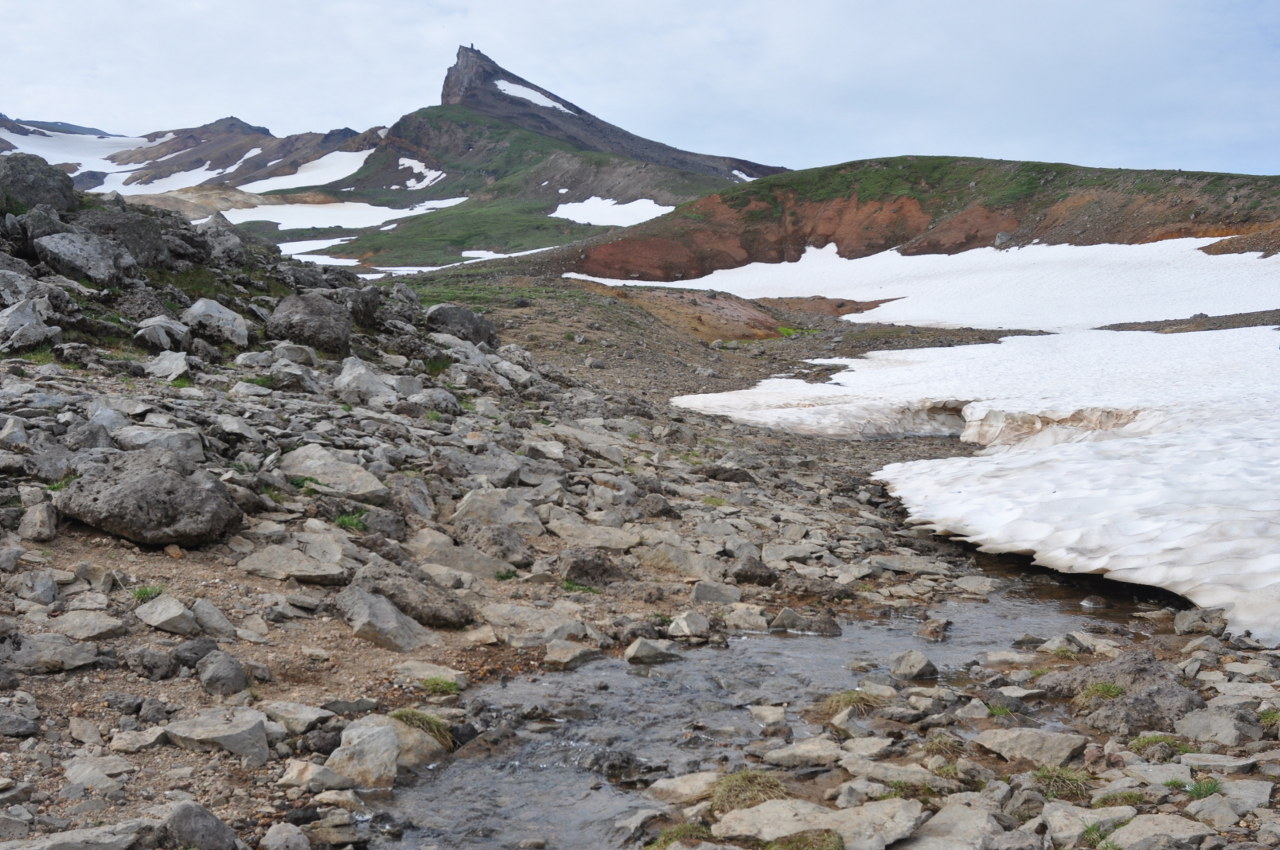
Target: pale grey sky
{"x":1185,"y":84}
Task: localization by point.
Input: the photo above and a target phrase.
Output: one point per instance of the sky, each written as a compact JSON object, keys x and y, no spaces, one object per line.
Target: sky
{"x":1123,"y":83}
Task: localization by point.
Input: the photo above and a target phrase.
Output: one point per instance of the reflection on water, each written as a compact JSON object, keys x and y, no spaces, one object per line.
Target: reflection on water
{"x":550,"y":780}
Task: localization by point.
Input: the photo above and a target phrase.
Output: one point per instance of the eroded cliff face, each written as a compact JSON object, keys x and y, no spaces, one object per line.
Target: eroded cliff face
{"x":712,"y":234}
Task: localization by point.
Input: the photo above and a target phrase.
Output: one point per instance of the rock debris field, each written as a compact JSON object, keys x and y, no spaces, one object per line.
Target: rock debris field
{"x":266,"y":529}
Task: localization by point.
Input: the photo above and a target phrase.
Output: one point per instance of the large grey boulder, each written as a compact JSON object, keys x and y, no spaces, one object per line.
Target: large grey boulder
{"x":188,"y":824}
{"x":500,"y":507}
{"x":241,"y":731}
{"x":208,"y":318}
{"x":85,"y":255}
{"x":368,"y":756}
{"x":377,"y":620}
{"x":312,"y":319}
{"x":22,"y":327}
{"x":416,"y":594}
{"x":150,"y":497}
{"x":27,"y":180}
{"x":335,"y":472}
{"x":161,"y":333}
{"x":141,"y":234}
{"x":462,"y":323}
{"x":225,"y":244}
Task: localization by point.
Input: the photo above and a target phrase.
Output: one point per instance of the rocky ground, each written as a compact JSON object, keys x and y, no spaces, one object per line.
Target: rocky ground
{"x":258,"y":544}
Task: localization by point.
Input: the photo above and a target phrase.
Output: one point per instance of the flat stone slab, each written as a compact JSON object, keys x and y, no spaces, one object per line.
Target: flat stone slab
{"x":1051,"y":748}
{"x":241,"y":731}
{"x":296,"y":718}
{"x":1145,"y":827}
{"x":332,"y":471}
{"x":873,"y":826}
{"x":813,"y":751}
{"x":1218,"y":763}
{"x":282,"y":563}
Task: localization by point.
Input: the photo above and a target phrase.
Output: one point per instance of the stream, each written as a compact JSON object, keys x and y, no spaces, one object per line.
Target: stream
{"x":582,"y":737}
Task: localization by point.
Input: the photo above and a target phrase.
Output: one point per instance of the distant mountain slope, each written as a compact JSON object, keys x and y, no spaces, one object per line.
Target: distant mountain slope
{"x":921,"y":205}
{"x":520,"y":167}
{"x":479,"y":83}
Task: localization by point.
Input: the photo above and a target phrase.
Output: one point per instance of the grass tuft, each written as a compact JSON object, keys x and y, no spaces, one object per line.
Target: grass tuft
{"x":147,"y":592}
{"x":861,"y":702}
{"x":1203,"y":788}
{"x":429,"y":723}
{"x":1064,"y":783}
{"x":438,"y":686}
{"x":745,"y":789}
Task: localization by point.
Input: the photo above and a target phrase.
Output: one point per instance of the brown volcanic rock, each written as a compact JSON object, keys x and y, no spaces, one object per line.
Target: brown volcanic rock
{"x":926,"y":205}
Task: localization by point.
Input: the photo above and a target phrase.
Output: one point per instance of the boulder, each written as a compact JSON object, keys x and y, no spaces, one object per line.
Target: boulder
{"x":168,"y":615}
{"x":222,"y":674}
{"x":27,"y":180}
{"x":84,"y":255}
{"x":314,"y":320}
{"x":150,"y":497}
{"x":377,"y":620}
{"x":188,"y":824}
{"x":462,"y":323}
{"x":225,"y":245}
{"x":416,"y":594}
{"x":23,"y":328}
{"x":1036,"y":745}
{"x":210,"y":319}
{"x":241,"y":731}
{"x":334,"y":472}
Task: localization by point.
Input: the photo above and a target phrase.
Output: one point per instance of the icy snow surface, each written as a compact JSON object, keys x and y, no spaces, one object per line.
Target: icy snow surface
{"x":345,"y":214}
{"x":1048,"y":287}
{"x":428,"y":176}
{"x":326,"y":169}
{"x":89,"y":153}
{"x":536,"y":98}
{"x":595,"y":210}
{"x":1152,"y":458}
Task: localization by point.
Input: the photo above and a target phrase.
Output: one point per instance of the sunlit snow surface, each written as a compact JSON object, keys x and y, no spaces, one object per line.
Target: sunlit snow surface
{"x":1049,"y":287}
{"x":1153,"y":458}
{"x":345,"y":214}
{"x":536,"y":98}
{"x":596,"y":210}
{"x":326,"y":169}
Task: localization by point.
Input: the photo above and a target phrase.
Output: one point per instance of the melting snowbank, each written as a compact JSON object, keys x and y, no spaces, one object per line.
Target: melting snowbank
{"x":603,"y":211}
{"x":1040,"y":287}
{"x":1149,"y":457}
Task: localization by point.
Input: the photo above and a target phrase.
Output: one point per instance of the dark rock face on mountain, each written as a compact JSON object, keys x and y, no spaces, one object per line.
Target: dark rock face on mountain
{"x":474,"y":81}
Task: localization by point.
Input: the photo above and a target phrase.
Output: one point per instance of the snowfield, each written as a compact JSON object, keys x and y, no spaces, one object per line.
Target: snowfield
{"x":345,"y":214}
{"x":602,"y":211}
{"x":1151,"y":458}
{"x":1040,"y":287}
{"x":326,"y":169}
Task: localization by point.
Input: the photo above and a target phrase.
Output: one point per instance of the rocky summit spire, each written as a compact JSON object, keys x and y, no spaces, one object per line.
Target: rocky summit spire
{"x":477,"y":82}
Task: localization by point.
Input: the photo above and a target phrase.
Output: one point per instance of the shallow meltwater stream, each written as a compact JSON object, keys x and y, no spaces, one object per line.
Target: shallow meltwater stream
{"x":583,"y":741}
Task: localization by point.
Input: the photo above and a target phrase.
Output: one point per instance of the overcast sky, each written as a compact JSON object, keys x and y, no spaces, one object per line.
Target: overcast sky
{"x":1189,"y":84}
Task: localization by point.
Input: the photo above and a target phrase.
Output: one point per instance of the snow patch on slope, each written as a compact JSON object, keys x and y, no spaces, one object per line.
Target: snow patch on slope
{"x":427,"y":176}
{"x":596,"y":210}
{"x":536,"y":98}
{"x":326,"y":169}
{"x":1046,"y":287}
